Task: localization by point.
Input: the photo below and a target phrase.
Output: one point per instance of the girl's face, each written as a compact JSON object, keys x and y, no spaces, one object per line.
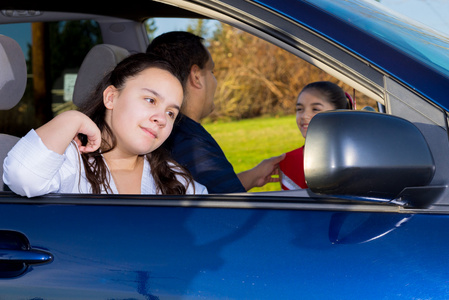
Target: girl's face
{"x":141,"y":115}
{"x":310,"y":103}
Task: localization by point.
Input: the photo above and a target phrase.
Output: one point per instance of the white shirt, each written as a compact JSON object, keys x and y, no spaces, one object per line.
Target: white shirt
{"x":31,"y":169}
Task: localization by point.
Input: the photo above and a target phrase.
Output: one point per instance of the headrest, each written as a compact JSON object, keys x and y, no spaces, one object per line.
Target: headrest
{"x":13,"y":73}
{"x":100,"y":60}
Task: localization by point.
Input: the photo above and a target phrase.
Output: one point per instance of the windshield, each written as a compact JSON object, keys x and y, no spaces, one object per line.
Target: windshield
{"x":405,"y":34}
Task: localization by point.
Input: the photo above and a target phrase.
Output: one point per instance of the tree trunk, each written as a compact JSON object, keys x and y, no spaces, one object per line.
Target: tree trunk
{"x":40,"y":69}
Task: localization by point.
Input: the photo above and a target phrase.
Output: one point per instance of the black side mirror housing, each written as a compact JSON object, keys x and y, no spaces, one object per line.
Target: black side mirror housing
{"x":365,"y":154}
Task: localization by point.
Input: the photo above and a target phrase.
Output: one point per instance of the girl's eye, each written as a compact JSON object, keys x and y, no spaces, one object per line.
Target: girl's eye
{"x":150,"y":100}
{"x":171,"y":114}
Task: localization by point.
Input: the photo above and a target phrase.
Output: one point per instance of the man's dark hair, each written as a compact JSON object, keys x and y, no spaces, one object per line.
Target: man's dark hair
{"x":183,"y":49}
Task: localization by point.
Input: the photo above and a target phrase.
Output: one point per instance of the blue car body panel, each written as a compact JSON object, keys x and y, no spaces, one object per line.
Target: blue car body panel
{"x":152,"y":252}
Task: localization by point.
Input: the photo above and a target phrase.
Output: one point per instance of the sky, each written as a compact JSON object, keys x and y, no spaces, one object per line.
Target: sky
{"x":169,"y":24}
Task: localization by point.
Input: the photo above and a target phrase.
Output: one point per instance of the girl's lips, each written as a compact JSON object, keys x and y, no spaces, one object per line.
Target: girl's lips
{"x":150,"y":132}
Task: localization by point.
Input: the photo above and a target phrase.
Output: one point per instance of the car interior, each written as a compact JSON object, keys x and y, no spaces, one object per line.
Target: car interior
{"x":12,"y":86}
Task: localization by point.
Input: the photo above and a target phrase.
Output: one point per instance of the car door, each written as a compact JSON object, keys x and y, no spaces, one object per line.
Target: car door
{"x":236,"y":248}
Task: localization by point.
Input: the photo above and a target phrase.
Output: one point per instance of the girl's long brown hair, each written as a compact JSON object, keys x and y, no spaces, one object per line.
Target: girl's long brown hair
{"x":163,"y":169}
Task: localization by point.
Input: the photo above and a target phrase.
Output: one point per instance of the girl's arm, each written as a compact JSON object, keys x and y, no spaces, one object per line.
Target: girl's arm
{"x":42,"y":161}
{"x":58,"y":133}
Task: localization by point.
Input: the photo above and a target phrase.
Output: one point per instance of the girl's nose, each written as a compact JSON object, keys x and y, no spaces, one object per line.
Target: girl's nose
{"x":306,"y":115}
{"x":160,"y":118}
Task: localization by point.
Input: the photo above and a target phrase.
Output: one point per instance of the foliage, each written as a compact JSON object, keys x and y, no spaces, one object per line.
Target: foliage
{"x":198,"y":27}
{"x":256,"y":78}
{"x":69,"y":43}
{"x":150,"y":26}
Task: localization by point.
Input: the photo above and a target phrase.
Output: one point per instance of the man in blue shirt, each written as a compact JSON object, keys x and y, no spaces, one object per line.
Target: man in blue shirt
{"x":189,"y":143}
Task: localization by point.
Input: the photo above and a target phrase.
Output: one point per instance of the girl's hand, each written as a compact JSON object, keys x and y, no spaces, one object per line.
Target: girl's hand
{"x":65,"y":127}
{"x":88,"y":140}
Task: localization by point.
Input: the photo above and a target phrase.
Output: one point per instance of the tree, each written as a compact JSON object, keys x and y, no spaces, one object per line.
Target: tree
{"x":150,"y":26}
{"x":198,"y":27}
{"x":256,"y":78}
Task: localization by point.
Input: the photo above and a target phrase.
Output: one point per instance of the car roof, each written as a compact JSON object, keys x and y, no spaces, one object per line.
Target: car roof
{"x":140,"y":12}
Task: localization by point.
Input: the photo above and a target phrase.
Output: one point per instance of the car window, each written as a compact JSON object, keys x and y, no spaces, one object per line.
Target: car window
{"x":255,"y":78}
{"x":54,"y":52}
{"x":248,"y":85}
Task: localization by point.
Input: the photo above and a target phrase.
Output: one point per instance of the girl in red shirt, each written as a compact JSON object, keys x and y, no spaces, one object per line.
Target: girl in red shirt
{"x":314,"y":98}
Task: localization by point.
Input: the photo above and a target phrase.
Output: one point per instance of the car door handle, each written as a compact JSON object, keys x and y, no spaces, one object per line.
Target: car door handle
{"x":29,"y":257}
{"x":17,"y":255}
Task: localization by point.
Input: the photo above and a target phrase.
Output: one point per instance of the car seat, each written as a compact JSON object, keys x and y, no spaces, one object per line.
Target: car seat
{"x":13,"y":79}
{"x":98,"y":62}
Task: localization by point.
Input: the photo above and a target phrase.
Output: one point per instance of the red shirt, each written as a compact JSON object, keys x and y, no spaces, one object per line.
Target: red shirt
{"x":292,"y":170}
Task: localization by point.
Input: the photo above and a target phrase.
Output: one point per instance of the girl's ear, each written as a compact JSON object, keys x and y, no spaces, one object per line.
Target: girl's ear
{"x":108,"y":96}
{"x":195,"y":77}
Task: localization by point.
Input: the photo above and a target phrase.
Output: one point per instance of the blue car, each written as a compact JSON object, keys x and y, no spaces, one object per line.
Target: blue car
{"x":373,"y":224}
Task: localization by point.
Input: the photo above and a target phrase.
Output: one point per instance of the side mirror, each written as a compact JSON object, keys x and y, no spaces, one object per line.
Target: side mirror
{"x":365,"y":154}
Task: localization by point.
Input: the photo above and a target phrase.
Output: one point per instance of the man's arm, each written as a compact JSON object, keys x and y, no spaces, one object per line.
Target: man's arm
{"x":262,"y":173}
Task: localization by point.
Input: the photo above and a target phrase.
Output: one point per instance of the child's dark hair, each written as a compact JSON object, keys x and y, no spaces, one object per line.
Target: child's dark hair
{"x":163,"y":168}
{"x":331,"y":92}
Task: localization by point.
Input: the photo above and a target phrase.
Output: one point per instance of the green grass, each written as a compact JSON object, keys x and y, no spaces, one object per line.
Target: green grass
{"x":248,"y":142}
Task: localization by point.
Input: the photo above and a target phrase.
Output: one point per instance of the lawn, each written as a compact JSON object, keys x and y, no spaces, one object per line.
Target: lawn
{"x":248,"y":142}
